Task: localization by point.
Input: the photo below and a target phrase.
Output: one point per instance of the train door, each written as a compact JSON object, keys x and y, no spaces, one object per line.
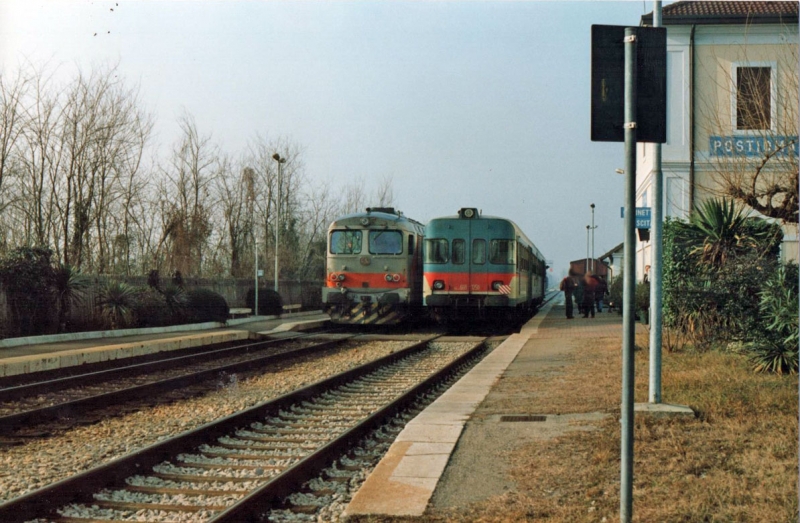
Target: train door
{"x":478,"y":264}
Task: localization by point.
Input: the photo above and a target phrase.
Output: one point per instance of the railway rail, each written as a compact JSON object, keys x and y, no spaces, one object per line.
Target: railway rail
{"x":234,"y":469}
{"x":66,"y":398}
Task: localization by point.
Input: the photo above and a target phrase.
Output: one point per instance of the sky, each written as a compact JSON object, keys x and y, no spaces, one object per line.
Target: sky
{"x":462,"y":103}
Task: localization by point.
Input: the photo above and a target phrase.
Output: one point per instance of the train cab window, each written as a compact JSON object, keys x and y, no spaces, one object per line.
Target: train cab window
{"x":479,"y":252}
{"x":346,"y":242}
{"x":385,"y":242}
{"x":459,"y":251}
{"x":410,"y":244}
{"x":436,"y":251}
{"x":501,"y":252}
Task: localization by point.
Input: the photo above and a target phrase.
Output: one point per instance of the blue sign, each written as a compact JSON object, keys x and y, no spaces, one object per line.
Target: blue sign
{"x":642,"y":217}
{"x":779,"y":146}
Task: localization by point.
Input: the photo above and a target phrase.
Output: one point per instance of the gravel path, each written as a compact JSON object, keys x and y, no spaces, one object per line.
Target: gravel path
{"x":45,"y":461}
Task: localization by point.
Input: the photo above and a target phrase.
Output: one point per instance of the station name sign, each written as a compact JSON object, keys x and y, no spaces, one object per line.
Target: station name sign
{"x":752,"y":145}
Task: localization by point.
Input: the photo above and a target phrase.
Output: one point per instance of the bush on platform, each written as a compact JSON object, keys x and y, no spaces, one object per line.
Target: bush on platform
{"x":203,"y":305}
{"x":269,"y":302}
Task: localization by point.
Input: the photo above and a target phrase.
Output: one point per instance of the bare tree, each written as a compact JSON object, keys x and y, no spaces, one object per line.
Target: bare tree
{"x":752,"y":125}
{"x":186,"y":199}
{"x":384,"y":194}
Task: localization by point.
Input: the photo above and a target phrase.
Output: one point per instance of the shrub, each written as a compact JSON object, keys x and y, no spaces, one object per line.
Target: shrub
{"x":116,"y":302}
{"x":269,"y":302}
{"x":776,"y":350}
{"x":714,"y":267}
{"x":203,"y":305}
{"x":27,"y":277}
{"x":150,"y":309}
{"x":69,"y":288}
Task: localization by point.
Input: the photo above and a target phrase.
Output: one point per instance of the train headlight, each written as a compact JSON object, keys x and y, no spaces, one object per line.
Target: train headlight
{"x":388,"y":277}
{"x":340,"y":277}
{"x":395,"y":278}
{"x":496,"y":285}
{"x":438,"y":285}
{"x":333,"y":276}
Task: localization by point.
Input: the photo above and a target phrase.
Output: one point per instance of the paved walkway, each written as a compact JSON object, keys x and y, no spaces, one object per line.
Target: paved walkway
{"x":461,"y":432}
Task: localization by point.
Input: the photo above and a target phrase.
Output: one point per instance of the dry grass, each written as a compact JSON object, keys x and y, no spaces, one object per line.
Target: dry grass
{"x":737,"y":461}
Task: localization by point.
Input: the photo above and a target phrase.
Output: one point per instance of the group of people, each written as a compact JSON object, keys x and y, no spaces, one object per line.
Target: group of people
{"x":588,"y":291}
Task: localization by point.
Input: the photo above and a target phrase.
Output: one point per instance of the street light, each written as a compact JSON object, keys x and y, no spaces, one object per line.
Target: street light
{"x":593,"y":228}
{"x":586,"y":269}
{"x":255,"y":304}
{"x":281,"y":161}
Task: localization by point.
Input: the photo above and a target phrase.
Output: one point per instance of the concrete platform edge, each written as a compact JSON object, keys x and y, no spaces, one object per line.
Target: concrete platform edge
{"x":404,"y":481}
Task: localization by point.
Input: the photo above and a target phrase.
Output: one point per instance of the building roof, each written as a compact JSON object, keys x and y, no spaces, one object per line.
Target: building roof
{"x":689,"y":12}
{"x":612,"y":251}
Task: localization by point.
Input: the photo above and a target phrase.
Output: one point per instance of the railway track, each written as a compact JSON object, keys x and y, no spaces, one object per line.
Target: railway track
{"x":70,"y":398}
{"x":236,"y":468}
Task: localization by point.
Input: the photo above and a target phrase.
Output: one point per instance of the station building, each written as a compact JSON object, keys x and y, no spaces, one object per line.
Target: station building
{"x":732,"y":108}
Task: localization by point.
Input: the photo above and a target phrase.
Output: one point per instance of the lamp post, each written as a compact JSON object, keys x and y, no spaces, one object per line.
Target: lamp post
{"x":281,"y":161}
{"x":586,"y":269}
{"x":593,"y":228}
{"x":255,"y":303}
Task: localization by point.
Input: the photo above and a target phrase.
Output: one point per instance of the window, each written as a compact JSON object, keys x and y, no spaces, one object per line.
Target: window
{"x":501,"y":251}
{"x":479,"y":252}
{"x":385,"y":242}
{"x":345,"y":242}
{"x":753,"y":98}
{"x":459,"y":251}
{"x":410,"y":244}
{"x":436,"y":251}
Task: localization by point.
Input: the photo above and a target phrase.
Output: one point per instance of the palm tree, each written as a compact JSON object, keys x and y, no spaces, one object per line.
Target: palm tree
{"x":721,"y":230}
{"x":116,"y":303}
{"x":69,"y":288}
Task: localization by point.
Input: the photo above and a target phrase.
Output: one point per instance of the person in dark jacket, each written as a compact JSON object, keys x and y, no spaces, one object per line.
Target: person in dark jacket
{"x":589,"y":288}
{"x":568,"y":286}
{"x":600,"y":292}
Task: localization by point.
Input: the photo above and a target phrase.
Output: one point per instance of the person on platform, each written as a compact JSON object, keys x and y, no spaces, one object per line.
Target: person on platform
{"x":589,"y":288}
{"x":568,"y":286}
{"x":600,"y":292}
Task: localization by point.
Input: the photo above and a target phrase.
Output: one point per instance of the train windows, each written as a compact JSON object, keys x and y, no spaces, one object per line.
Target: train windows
{"x":436,"y":251}
{"x":459,"y":251}
{"x":345,"y":242}
{"x":410,"y":244}
{"x":501,"y":252}
{"x":385,"y":242}
{"x":479,"y":252}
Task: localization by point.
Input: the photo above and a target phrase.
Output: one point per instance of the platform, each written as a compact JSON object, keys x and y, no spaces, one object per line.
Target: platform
{"x":431,"y":456}
{"x":43,"y":353}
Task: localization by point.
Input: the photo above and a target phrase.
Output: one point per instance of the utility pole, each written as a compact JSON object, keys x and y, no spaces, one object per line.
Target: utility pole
{"x":656,"y":266}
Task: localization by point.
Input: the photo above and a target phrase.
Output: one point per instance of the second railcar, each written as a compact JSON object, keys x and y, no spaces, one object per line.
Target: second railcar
{"x":477,"y":267}
{"x":374,"y":268}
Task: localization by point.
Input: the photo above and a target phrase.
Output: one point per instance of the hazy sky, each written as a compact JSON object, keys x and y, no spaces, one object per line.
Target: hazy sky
{"x":479,"y":104}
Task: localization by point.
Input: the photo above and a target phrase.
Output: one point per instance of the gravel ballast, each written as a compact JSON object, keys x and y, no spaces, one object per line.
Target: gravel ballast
{"x":41,"y":462}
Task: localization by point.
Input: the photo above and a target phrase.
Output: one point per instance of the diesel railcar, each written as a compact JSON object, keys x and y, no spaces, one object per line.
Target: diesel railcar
{"x":374,"y":268}
{"x":480,"y":267}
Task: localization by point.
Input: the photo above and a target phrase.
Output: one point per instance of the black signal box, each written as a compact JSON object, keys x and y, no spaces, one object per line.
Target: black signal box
{"x":608,"y":84}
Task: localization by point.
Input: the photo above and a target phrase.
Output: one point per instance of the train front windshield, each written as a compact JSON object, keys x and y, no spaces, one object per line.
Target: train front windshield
{"x":385,"y":242}
{"x":345,"y":242}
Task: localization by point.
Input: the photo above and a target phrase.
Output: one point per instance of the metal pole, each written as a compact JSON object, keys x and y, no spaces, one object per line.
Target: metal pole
{"x":655,"y":261}
{"x":255,"y":304}
{"x":277,"y":158}
{"x":593,"y":228}
{"x":628,"y":318}
{"x":277,"y":225}
{"x":586,"y":269}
